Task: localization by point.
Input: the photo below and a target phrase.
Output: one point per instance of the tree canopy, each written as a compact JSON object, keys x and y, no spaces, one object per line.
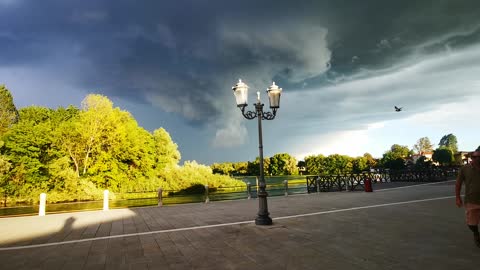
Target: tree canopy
{"x":8,"y":111}
{"x":449,"y":141}
{"x":73,"y":153}
{"x":423,"y":145}
{"x":283,"y":164}
{"x":443,"y":155}
{"x":396,"y":156}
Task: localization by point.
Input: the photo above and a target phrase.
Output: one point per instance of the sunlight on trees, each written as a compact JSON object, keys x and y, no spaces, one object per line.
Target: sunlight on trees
{"x":8,"y":111}
{"x":73,"y":154}
{"x":423,"y":145}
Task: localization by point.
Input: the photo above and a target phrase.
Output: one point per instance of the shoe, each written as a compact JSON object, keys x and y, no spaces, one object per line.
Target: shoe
{"x":476,"y":239}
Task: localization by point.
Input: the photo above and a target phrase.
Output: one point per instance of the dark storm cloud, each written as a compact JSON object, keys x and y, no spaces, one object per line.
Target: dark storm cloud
{"x":183,"y":55}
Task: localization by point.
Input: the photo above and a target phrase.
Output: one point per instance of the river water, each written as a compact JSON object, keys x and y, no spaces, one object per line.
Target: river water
{"x":275,"y":187}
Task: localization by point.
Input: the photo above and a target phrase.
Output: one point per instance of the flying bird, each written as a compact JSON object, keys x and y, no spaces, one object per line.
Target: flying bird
{"x":397,"y":109}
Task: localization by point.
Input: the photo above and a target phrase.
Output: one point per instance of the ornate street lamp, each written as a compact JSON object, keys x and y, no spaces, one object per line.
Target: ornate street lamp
{"x":240,"y":90}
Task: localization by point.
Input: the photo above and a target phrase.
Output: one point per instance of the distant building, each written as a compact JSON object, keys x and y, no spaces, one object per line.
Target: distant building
{"x":414,"y":158}
{"x":462,"y":157}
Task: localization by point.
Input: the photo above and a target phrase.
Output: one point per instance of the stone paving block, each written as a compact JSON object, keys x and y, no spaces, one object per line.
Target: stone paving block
{"x":104,"y":229}
{"x":54,"y":263}
{"x":90,"y":231}
{"x":98,"y":247}
{"x":73,"y":265}
{"x":117,"y":267}
{"x":96,"y":259}
{"x":94,"y":266}
{"x":139,"y":266}
{"x":152,"y":248}
{"x":117,"y":227}
{"x":136,"y":256}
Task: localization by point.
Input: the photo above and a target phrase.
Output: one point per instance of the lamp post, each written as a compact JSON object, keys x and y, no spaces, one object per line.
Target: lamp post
{"x":240,"y":90}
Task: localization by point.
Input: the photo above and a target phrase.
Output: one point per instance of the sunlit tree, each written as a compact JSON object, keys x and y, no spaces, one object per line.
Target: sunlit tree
{"x":8,"y":111}
{"x":283,"y":164}
{"x":423,"y":145}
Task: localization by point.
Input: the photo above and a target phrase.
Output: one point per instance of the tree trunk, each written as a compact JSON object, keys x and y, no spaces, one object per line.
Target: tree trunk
{"x":74,"y":161}
{"x":86,"y":162}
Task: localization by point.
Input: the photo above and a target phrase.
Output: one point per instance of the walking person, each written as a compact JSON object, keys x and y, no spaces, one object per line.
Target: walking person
{"x":470,"y":176}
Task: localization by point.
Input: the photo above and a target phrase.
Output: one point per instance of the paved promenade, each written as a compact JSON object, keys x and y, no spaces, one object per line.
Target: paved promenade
{"x":402,"y":228}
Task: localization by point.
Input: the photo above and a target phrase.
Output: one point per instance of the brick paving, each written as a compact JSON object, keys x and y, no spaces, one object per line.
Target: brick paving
{"x":407,"y":228}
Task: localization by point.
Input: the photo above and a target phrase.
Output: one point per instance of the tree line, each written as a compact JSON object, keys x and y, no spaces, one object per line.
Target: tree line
{"x":74,"y":153}
{"x":397,"y":157}
{"x":279,"y":164}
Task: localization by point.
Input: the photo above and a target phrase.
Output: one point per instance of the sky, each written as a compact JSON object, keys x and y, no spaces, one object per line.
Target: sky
{"x":342,"y":64}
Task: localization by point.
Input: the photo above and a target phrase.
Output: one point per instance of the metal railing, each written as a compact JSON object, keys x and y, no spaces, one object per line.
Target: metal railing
{"x":351,"y":182}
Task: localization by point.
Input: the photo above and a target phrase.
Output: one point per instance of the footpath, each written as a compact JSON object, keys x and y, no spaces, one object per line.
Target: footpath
{"x":415,"y":227}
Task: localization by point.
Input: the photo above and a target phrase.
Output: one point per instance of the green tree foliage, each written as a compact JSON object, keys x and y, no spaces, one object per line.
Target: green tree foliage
{"x":338,"y":164}
{"x":360,"y":164}
{"x":371,"y":162}
{"x":234,"y":168}
{"x":166,"y":151}
{"x":28,"y":145}
{"x":279,"y":164}
{"x":443,"y":155}
{"x":73,"y":154}
{"x":423,"y":145}
{"x":5,"y":167}
{"x":192,"y":173}
{"x":449,"y":141}
{"x":8,"y":111}
{"x":241,"y":168}
{"x":283,"y":164}
{"x":225,"y":168}
{"x":315,"y":164}
{"x":332,"y":164}
{"x":96,"y":121}
{"x":395,"y":158}
{"x":253,"y":168}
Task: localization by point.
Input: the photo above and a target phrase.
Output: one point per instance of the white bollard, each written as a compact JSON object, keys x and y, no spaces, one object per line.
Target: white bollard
{"x":105,"y":200}
{"x":43,"y":200}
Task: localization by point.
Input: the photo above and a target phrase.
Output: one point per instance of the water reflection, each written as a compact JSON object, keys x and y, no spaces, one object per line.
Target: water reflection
{"x":274,"y":188}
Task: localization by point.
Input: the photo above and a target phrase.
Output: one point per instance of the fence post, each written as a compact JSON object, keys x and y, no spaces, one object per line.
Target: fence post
{"x":206,"y":194}
{"x":43,"y":200}
{"x":285,"y":182}
{"x":105,"y":200}
{"x":249,"y":191}
{"x":160,"y":202}
{"x":318,"y":184}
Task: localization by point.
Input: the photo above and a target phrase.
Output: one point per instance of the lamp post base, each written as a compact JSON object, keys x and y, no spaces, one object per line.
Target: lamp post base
{"x":263,"y":216}
{"x":263,"y":220}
